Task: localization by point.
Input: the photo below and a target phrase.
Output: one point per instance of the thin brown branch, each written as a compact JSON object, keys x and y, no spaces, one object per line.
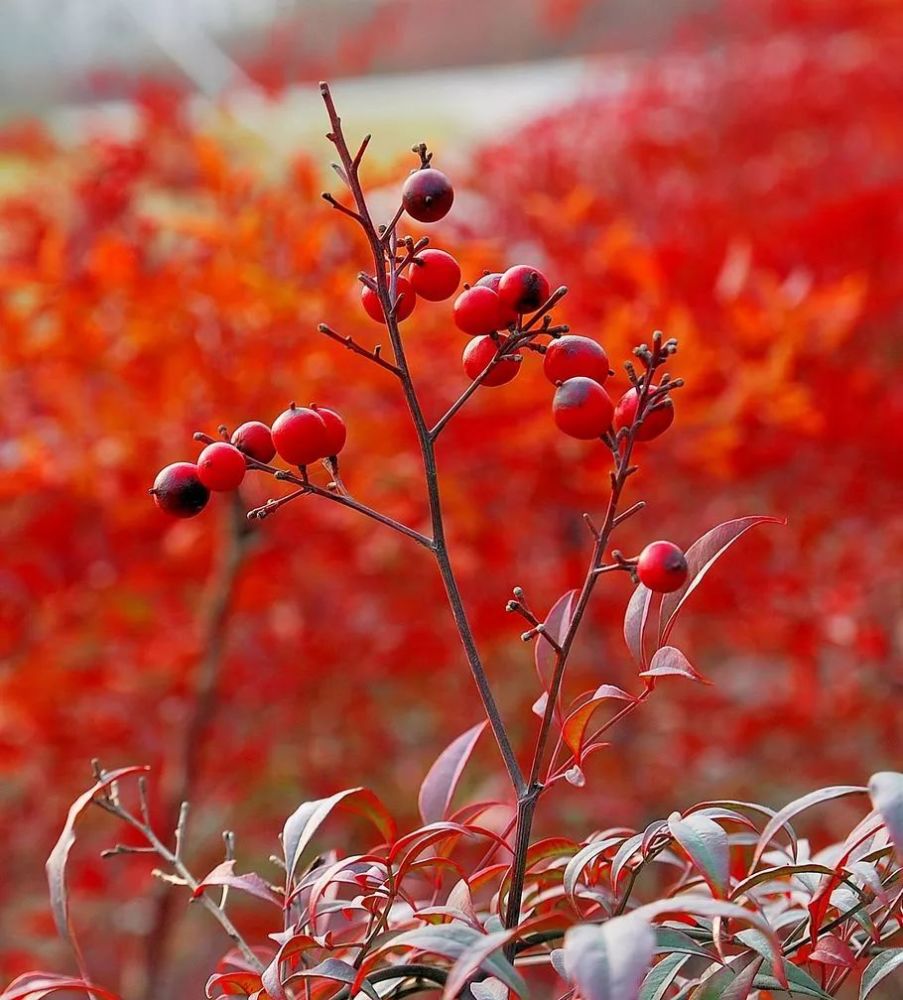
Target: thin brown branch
{"x":352,"y":345}
{"x":383,"y":249}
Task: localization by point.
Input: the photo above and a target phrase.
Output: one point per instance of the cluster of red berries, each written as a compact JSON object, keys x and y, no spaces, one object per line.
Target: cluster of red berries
{"x":582,"y":408}
{"x":434,"y":275}
{"x":300,"y":435}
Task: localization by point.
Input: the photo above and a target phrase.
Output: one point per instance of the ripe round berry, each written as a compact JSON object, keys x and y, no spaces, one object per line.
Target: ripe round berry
{"x":300,"y":435}
{"x":582,"y":408}
{"x":221,"y":466}
{"x":336,"y":431}
{"x":478,"y":310}
{"x":523,"y":288}
{"x":655,"y":421}
{"x":662,"y":567}
{"x":427,"y":195}
{"x":479,"y":352}
{"x":570,"y":357}
{"x":407,"y":299}
{"x":435,"y":275}
{"x":507,"y":316}
{"x":179,"y":491}
{"x":256,"y":440}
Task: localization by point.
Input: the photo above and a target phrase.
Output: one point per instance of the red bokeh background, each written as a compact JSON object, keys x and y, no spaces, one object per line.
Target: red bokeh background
{"x":747,"y":200}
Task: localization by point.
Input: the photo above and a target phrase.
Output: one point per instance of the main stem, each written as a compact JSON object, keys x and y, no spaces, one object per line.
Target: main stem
{"x":385,"y":285}
{"x":527,"y":801}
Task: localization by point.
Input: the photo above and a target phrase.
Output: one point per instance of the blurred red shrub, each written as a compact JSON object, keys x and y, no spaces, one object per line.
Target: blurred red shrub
{"x":748,"y":202}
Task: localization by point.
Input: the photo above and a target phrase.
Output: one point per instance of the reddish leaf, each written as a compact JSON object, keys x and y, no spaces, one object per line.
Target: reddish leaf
{"x":733,"y":982}
{"x":36,"y":985}
{"x":557,"y":623}
{"x":831,"y":950}
{"x":671,"y":662}
{"x":575,"y":724}
{"x":783,"y":816}
{"x":56,"y":863}
{"x":701,"y":556}
{"x":233,"y":984}
{"x":439,"y":785}
{"x":251,"y":883}
{"x":635,"y":620}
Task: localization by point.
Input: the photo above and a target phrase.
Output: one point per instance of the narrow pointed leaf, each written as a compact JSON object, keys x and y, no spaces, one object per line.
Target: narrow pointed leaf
{"x":451,"y":941}
{"x":783,"y":816}
{"x":339,"y":972}
{"x":439,"y":785}
{"x":575,"y":724}
{"x":635,"y":620}
{"x":557,"y":623}
{"x":473,"y":958}
{"x":701,"y":556}
{"x":708,"y":847}
{"x":609,"y":961}
{"x":733,"y":982}
{"x":671,"y":662}
{"x":36,"y":985}
{"x":56,"y":863}
{"x":306,"y":819}
{"x":252,"y":883}
{"x":880,"y":967}
{"x":660,"y":977}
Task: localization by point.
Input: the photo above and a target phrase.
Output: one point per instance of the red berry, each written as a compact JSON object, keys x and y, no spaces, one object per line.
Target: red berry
{"x":479,"y":352}
{"x":221,"y":466}
{"x":300,"y":435}
{"x":179,"y":491}
{"x":582,"y":408}
{"x":435,"y":275}
{"x":570,"y":357}
{"x":256,"y":440}
{"x":655,"y":422}
{"x":662,"y":567}
{"x":523,"y":289}
{"x":427,"y":195}
{"x":406,"y":301}
{"x":336,"y":431}
{"x":478,"y":310}
{"x":507,"y":316}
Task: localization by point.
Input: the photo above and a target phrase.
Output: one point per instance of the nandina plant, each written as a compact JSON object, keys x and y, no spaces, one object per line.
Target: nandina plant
{"x":720,"y":900}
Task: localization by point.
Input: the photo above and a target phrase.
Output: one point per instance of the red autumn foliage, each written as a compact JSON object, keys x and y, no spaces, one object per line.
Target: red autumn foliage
{"x":154,"y":287}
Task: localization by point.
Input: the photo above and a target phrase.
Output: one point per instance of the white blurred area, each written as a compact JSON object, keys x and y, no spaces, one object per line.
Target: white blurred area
{"x":65,"y":52}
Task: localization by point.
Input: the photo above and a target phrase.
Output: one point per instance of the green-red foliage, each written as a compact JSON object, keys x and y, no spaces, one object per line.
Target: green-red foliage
{"x":748,"y":204}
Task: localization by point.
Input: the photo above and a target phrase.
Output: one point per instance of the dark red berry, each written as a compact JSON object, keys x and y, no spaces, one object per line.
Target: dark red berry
{"x":582,"y":408}
{"x":256,"y":440}
{"x":427,"y":195}
{"x":655,"y":422}
{"x":435,"y":275}
{"x":478,"y":310}
{"x":662,"y":567}
{"x":479,"y":352}
{"x":336,"y":431}
{"x":571,"y":357}
{"x":523,"y":288}
{"x":507,"y":316}
{"x":407,"y":299}
{"x":221,"y":466}
{"x":300,"y":435}
{"x":179,"y":491}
